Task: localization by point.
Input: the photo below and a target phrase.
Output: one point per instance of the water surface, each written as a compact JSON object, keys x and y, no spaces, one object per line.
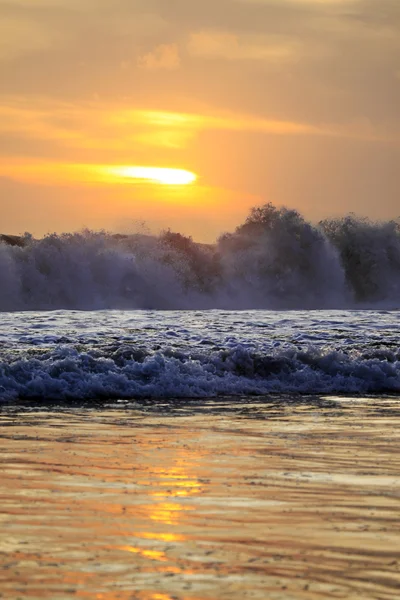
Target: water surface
{"x":200,"y":500}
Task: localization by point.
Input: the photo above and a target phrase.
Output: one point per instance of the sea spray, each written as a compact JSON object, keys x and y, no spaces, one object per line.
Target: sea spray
{"x":369,"y":254}
{"x":276,"y":259}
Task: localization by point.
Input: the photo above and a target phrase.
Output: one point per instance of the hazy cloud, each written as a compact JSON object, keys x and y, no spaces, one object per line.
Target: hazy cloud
{"x":165,"y":56}
{"x":19,"y":36}
{"x":301,"y":60}
{"x":230,"y":46}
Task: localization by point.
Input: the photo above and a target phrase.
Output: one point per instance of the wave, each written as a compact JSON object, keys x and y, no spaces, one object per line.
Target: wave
{"x":126,"y":372}
{"x":275,"y":260}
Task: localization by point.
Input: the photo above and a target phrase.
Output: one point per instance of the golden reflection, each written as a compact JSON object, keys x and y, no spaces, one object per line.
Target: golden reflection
{"x":145,"y":553}
{"x":122,"y":595}
{"x":92,"y":549}
{"x":173,"y":482}
{"x":180,"y":493}
{"x":183,"y":487}
{"x":178,"y":481}
{"x":162,"y":537}
{"x":166,"y":512}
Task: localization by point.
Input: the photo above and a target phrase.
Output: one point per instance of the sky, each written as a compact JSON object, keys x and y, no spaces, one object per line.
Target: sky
{"x":294,"y":102}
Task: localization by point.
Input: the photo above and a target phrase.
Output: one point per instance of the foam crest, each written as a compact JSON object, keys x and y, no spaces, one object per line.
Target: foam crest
{"x":65,"y":373}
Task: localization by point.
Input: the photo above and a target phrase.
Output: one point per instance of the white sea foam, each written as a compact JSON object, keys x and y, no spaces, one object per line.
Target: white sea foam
{"x":66,"y":355}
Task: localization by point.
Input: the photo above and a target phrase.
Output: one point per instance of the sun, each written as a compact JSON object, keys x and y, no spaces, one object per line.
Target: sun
{"x":160,"y":175}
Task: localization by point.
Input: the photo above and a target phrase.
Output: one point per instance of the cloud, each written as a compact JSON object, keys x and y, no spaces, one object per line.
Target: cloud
{"x":295,"y":60}
{"x":165,"y":56}
{"x":294,"y":68}
{"x":114,"y":132}
{"x":19,"y":36}
{"x":230,"y":46}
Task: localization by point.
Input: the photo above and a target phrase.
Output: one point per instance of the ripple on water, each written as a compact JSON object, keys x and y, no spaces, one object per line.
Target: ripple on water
{"x":241,"y":499}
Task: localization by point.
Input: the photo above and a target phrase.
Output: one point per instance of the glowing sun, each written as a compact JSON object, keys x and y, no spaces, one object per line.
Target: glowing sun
{"x":159,"y":175}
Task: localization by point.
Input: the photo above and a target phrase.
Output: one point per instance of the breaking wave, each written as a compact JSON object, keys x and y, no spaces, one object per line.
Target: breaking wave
{"x":274,"y":260}
{"x":126,"y":372}
{"x":67,"y":355}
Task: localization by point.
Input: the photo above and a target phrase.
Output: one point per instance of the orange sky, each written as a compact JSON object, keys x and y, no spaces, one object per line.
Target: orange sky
{"x":290,"y":101}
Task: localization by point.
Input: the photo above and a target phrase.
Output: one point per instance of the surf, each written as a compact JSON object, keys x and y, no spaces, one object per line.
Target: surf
{"x":274,"y":260}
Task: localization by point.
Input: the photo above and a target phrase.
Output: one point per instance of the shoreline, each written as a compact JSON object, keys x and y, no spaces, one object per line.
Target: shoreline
{"x":318,"y":400}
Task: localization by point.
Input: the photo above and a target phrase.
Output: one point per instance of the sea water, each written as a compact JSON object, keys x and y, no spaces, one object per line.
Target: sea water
{"x":192,"y":422}
{"x":246,"y":499}
{"x":112,"y":354}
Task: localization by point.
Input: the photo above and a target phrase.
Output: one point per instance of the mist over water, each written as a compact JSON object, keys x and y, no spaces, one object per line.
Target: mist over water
{"x":274,"y":260}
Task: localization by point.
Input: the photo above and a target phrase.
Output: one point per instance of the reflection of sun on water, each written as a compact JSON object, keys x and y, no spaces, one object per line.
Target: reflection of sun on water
{"x":126,"y":595}
{"x":167,"y":513}
{"x":180,"y":484}
{"x":170,"y":483}
{"x":162,"y":537}
{"x":173,"y":483}
{"x":152,"y":554}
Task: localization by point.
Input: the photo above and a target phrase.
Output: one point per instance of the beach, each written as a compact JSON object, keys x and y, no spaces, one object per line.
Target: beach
{"x":272,"y":497}
{"x":199,"y":300}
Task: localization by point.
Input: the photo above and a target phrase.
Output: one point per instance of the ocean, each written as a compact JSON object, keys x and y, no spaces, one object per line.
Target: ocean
{"x":112,"y":354}
{"x":200,"y":454}
{"x":181,"y":421}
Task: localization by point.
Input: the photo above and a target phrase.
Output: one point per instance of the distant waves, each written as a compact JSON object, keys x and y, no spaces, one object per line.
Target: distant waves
{"x":274,"y":260}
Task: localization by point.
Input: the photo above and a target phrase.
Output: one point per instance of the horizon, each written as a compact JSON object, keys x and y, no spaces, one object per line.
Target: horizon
{"x":141,"y":229}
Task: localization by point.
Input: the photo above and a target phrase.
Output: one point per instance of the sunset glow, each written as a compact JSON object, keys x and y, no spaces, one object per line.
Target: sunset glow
{"x":186,"y":118}
{"x":159,"y":175}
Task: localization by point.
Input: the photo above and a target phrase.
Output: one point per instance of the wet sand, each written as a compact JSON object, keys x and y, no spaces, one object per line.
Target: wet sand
{"x":202,"y":500}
